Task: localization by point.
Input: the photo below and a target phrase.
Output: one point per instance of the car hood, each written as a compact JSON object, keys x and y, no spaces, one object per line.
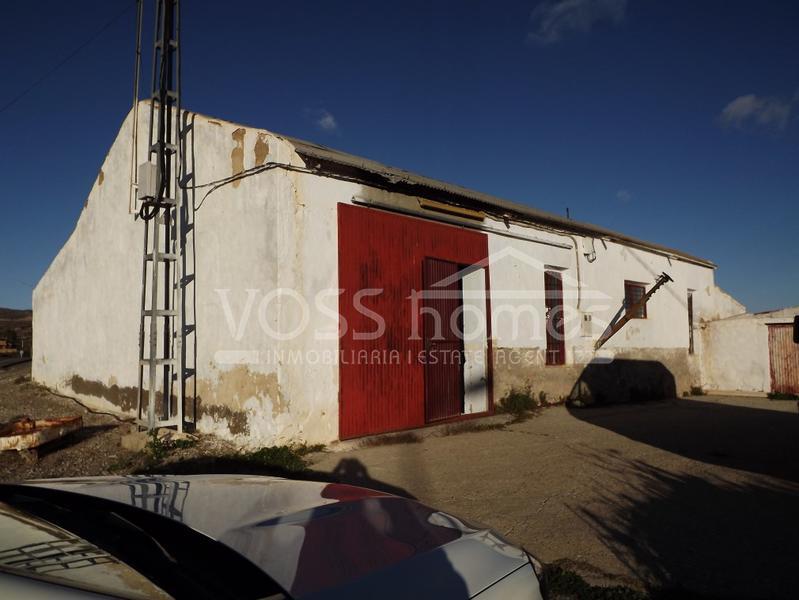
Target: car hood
{"x":322,"y":539}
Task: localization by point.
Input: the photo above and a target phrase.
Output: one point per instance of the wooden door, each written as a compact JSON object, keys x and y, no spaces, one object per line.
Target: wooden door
{"x":442,"y":326}
{"x":553,"y":295}
{"x":783,"y":359}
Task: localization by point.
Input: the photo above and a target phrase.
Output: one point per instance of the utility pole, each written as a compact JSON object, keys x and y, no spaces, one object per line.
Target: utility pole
{"x":162,"y":328}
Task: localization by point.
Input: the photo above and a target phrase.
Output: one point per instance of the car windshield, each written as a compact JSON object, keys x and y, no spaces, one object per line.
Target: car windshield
{"x":108,"y":547}
{"x":33,"y":547}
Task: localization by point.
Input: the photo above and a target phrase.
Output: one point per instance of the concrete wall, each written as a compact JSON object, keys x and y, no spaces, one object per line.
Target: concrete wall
{"x":266,"y":295}
{"x":86,"y":305}
{"x":718,"y":304}
{"x":660,"y":338}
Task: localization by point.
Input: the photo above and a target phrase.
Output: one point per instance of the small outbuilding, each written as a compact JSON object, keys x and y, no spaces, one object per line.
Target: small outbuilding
{"x":752,"y":353}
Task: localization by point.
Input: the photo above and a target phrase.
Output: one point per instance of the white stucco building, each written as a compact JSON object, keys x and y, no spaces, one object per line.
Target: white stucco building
{"x":310,"y":302}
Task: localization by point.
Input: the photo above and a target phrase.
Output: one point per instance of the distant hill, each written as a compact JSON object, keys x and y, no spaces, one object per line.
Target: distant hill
{"x":11,"y":314}
{"x":16,"y":328}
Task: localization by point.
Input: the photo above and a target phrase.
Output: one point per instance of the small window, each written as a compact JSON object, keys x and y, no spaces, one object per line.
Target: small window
{"x":633,"y":292}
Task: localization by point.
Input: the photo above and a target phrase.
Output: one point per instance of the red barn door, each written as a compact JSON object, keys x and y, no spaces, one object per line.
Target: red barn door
{"x":380,"y":264}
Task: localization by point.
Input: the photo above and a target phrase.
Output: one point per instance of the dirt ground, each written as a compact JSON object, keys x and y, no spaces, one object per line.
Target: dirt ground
{"x":698,"y":494}
{"x":94,"y":450}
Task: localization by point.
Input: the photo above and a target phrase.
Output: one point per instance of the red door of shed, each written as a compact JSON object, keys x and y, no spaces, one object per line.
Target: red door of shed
{"x":783,"y":359}
{"x":442,"y":323}
{"x":380,"y":265}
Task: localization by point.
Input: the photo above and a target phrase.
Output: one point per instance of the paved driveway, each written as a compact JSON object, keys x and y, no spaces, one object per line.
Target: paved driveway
{"x":696,"y":493}
{"x":8,"y":361}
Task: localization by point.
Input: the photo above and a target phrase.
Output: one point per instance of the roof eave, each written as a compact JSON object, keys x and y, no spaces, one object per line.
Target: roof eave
{"x":323,"y":159}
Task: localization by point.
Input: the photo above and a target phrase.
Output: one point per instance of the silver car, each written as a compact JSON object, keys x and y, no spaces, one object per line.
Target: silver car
{"x":235,"y":536}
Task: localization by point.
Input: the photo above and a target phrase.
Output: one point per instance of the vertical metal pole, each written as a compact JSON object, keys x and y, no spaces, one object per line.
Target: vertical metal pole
{"x":134,"y":186}
{"x":141,"y":321}
{"x":180,"y":233}
{"x":153,"y":327}
{"x":158,"y":75}
{"x":154,"y":73}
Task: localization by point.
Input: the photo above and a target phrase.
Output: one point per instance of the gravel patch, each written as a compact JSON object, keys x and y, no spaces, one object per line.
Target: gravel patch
{"x":94,"y":450}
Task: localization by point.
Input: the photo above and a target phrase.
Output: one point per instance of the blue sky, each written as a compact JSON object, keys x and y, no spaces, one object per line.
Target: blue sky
{"x":671,"y":121}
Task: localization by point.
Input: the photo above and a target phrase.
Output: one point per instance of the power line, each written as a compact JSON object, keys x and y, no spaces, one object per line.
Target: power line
{"x":64,"y":61}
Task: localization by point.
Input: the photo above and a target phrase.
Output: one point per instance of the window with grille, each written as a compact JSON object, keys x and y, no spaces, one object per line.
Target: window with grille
{"x":633,"y":292}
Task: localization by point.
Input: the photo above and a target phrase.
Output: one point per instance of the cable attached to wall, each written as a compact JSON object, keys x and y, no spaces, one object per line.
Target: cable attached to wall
{"x":134,"y":154}
{"x":268,"y":166}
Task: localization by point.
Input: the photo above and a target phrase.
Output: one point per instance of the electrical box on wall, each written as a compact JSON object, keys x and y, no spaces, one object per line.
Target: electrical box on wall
{"x":148,"y":181}
{"x":586,"y":325}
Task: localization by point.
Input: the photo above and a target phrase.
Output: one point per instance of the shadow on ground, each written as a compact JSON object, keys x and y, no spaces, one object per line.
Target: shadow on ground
{"x":757,"y":440}
{"x":348,"y":470}
{"x":84,"y":433}
{"x":712,"y":536}
{"x":63,"y":443}
{"x":623,"y":380}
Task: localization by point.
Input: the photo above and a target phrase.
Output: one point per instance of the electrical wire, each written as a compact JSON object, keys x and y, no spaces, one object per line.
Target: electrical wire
{"x":134,"y":147}
{"x":64,"y":61}
{"x":215,"y":185}
{"x":119,"y":418}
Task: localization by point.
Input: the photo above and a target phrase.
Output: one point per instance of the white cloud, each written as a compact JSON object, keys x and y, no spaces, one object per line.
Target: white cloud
{"x":553,"y":19}
{"x":323,"y":119}
{"x":326,"y":121}
{"x":624,"y":196}
{"x":757,"y":111}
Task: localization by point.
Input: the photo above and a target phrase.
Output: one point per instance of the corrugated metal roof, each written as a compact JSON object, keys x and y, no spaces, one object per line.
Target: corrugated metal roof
{"x":394,"y":177}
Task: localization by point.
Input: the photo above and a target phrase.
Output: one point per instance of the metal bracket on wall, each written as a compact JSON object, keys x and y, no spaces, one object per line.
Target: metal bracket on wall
{"x":631,"y":310}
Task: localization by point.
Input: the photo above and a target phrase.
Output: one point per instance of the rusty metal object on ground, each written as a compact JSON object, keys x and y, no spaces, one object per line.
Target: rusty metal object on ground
{"x":26,"y":433}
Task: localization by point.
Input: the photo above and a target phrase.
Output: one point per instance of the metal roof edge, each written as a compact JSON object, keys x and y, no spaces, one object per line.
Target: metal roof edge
{"x":394,"y":176}
{"x":527,"y":213}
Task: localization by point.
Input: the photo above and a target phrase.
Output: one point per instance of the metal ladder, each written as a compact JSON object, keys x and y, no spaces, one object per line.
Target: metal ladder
{"x":162,"y":355}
